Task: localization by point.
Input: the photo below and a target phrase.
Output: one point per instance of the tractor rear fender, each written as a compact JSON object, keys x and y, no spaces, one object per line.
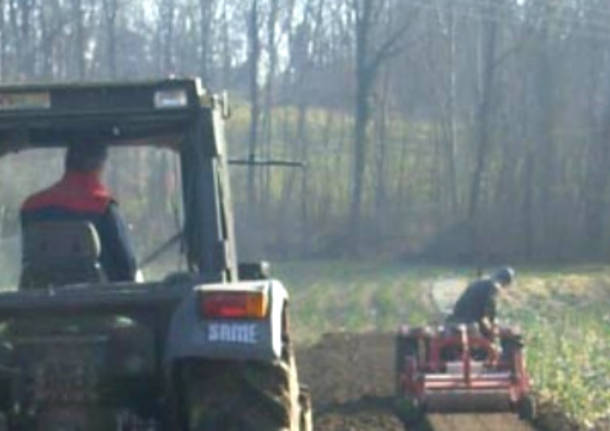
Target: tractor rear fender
{"x":192,"y":334}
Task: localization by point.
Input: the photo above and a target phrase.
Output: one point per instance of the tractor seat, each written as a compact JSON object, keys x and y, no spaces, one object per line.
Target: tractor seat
{"x":59,"y":254}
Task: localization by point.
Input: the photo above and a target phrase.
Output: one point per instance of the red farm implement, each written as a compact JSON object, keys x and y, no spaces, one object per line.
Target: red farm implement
{"x":457,"y":369}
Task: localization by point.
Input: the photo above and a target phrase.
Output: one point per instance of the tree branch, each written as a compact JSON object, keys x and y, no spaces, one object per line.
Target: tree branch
{"x":388,"y":48}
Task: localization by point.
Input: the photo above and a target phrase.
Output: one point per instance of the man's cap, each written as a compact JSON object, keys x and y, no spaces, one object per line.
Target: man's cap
{"x":504,"y":276}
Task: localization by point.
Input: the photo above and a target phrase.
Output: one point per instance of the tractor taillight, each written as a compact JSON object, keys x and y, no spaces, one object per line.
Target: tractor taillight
{"x":234,"y":305}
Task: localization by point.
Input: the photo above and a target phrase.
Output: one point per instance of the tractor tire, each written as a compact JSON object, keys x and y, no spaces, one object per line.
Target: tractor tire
{"x":240,"y":395}
{"x":306,"y":410}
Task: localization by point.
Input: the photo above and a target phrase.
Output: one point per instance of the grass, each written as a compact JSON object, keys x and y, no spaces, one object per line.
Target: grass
{"x":331,"y":296}
{"x":566,"y":317}
{"x":564,"y":314}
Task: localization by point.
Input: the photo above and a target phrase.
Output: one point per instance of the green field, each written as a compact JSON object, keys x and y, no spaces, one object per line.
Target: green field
{"x":564,"y":314}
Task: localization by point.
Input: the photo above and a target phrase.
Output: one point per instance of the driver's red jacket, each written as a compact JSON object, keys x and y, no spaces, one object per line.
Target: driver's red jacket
{"x":81,"y":196}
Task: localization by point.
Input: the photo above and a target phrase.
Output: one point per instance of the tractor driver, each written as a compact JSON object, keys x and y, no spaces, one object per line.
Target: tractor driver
{"x":478,"y":302}
{"x":81,"y":196}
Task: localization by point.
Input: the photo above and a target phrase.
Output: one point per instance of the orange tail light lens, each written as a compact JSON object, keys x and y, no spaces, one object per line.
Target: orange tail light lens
{"x":234,"y":305}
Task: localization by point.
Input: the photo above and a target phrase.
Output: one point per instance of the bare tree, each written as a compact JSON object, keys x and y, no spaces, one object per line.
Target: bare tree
{"x":253,"y":67}
{"x":462,"y":125}
{"x":207,"y":10}
{"x":370,"y":55}
{"x":445,"y":89}
{"x":165,"y":29}
{"x":79,"y":48}
{"x":597,"y":180}
{"x":267,"y":123}
{"x":111,"y":8}
{"x":226,"y":49}
{"x":3,"y":41}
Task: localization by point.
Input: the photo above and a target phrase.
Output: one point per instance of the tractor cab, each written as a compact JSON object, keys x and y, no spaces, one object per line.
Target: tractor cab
{"x":174,"y":115}
{"x":204,"y":345}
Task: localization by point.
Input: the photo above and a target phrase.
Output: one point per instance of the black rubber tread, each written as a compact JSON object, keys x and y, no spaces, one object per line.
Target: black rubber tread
{"x":241,"y":396}
{"x":305,"y":409}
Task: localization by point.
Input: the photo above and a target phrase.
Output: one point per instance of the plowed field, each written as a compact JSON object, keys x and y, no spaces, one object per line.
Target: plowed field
{"x":351,"y":378}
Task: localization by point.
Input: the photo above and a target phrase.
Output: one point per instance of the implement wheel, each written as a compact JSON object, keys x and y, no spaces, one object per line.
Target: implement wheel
{"x":408,"y":411}
{"x":526,"y":408}
{"x":404,"y":347}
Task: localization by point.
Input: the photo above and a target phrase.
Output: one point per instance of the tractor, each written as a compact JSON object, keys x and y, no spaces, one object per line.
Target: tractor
{"x":204,"y":348}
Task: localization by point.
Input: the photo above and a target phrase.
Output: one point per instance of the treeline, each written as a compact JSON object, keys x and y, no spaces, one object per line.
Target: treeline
{"x":454,"y":129}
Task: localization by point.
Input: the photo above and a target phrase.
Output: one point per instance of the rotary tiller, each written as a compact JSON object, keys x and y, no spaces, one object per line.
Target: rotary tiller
{"x":457,"y":369}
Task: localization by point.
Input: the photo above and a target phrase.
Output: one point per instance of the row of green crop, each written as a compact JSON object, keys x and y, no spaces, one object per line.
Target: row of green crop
{"x":568,"y":356}
{"x":569,"y":359}
{"x":566,"y":319}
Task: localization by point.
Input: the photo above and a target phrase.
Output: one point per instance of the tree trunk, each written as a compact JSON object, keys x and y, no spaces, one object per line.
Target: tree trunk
{"x":546,"y":175}
{"x":226,"y":49}
{"x":359,"y":159}
{"x":254,"y":55}
{"x":483,"y":131}
{"x":368,"y":61}
{"x":364,"y":80}
{"x":26,"y":53}
{"x":401,"y":191}
{"x":381,"y":150}
{"x":110,"y":14}
{"x":77,"y":10}
{"x":598,"y":176}
{"x":305,"y":198}
{"x":451,"y":142}
{"x":3,"y":43}
{"x":483,"y":116}
{"x":483,"y":138}
{"x":268,"y":102}
{"x":166,"y":28}
{"x":528,"y":205}
{"x":206,"y":9}
{"x":15,"y":37}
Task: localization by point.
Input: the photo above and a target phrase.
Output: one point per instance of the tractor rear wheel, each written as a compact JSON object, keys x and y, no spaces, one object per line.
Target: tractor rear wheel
{"x":244,"y":395}
{"x":239,"y":396}
{"x":232,"y":395}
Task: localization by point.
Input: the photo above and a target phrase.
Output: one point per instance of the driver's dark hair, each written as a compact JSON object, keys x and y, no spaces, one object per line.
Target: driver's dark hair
{"x":86,"y":157}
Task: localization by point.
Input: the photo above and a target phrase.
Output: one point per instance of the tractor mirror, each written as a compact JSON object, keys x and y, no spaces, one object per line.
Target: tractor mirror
{"x":254,"y":271}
